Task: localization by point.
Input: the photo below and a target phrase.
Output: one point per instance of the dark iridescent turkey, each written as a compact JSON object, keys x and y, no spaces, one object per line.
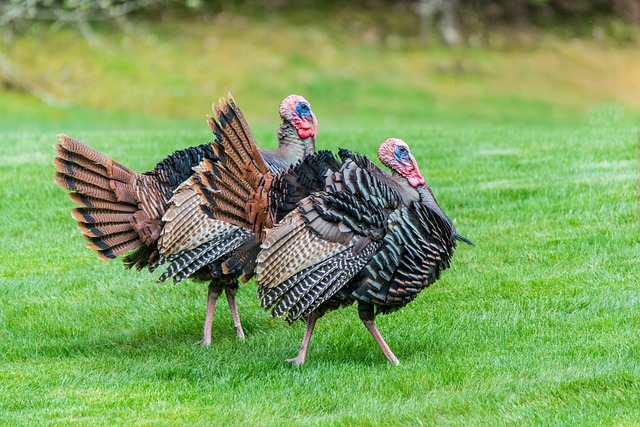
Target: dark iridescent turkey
{"x":151,"y":216}
{"x":365,"y":236}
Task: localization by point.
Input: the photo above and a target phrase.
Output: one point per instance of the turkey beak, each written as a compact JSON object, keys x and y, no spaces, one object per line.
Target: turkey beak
{"x":314,"y":125}
{"x":415,"y":177}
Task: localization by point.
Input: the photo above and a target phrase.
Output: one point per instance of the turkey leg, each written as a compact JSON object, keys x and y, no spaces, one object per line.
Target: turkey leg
{"x":214,"y":292}
{"x":231,"y":297}
{"x":365,"y":311}
{"x":302,"y":354}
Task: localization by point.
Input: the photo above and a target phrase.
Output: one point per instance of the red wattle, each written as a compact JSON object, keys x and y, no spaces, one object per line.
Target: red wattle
{"x":415,"y":180}
{"x":305,"y":132}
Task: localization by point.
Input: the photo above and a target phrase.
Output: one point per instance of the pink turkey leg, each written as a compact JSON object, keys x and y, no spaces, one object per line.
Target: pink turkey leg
{"x":231,"y":297}
{"x":214,"y":293}
{"x":371,"y":327}
{"x":302,"y":354}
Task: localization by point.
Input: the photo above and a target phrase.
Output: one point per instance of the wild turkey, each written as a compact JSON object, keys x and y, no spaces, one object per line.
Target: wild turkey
{"x":215,"y":251}
{"x":369,"y":237}
{"x":122,"y":211}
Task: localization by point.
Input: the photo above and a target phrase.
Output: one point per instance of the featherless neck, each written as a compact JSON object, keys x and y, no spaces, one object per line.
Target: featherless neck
{"x":290,"y":143}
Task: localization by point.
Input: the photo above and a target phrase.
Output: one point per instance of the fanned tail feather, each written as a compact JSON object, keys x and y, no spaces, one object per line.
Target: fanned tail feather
{"x":145,"y":256}
{"x":232,"y":186}
{"x":104,"y":191}
{"x":225,"y":195}
{"x":235,"y":140}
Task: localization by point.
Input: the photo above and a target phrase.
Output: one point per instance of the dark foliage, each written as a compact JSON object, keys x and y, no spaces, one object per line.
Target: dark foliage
{"x":489,"y":11}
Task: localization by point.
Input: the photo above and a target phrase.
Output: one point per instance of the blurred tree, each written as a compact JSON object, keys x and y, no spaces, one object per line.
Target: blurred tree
{"x":520,"y":12}
{"x":18,"y":14}
{"x":80,"y":13}
{"x":447,"y":11}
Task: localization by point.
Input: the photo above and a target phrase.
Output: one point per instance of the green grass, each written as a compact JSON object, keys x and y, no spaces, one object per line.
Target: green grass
{"x":536,"y":325}
{"x":533,"y":153}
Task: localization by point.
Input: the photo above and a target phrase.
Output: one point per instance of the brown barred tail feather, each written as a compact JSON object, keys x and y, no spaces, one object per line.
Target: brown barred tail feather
{"x":235,"y":140}
{"x":105,"y":193}
{"x":233,"y":187}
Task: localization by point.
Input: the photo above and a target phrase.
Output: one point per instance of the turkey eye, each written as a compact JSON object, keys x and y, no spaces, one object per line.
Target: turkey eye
{"x":401,"y":153}
{"x":302,"y":108}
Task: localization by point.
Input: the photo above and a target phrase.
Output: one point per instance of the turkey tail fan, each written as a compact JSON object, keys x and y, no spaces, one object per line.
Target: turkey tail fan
{"x":235,"y":142}
{"x":238,"y":187}
{"x":224,"y":195}
{"x":256,"y":204}
{"x":103,"y":188}
{"x":231,"y":186}
{"x":145,"y":256}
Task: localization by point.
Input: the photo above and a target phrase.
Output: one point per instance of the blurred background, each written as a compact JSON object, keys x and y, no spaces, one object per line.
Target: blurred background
{"x":158,"y":63}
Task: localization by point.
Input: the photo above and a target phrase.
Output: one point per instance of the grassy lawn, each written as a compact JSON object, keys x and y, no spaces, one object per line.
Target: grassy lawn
{"x":536,"y":325}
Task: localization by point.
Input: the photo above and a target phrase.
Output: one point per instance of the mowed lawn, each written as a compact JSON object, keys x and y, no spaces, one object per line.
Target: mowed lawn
{"x":536,"y":325}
